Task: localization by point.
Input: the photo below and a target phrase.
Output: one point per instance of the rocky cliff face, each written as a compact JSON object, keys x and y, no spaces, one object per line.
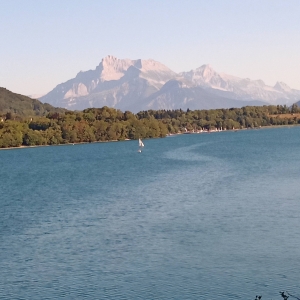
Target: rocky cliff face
{"x":147,"y":84}
{"x":115,"y":82}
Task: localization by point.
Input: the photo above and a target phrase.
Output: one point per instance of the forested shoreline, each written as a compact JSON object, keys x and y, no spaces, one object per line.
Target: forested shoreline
{"x":107,"y":124}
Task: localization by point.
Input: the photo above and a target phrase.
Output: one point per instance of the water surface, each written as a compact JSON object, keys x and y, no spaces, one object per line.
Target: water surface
{"x":199,"y":216}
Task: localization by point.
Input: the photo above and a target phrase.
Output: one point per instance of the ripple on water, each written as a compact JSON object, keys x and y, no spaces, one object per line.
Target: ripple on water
{"x":192,"y":217}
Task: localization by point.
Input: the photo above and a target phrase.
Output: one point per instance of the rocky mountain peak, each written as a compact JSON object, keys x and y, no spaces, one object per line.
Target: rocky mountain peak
{"x":205,"y":76}
{"x":202,"y":74}
{"x":153,"y":65}
{"x":206,"y":71}
{"x":108,"y":59}
{"x":125,"y":83}
{"x":281,"y":86}
{"x":112,"y":68}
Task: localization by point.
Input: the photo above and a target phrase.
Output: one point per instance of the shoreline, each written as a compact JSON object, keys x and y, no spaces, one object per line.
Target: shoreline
{"x":67,"y":144}
{"x":168,"y":135}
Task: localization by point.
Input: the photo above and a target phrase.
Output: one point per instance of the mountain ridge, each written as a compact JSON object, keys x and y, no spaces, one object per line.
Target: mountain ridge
{"x":126,"y":83}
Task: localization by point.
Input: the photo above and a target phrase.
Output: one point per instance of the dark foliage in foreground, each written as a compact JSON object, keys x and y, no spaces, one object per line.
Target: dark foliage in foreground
{"x":284,"y":295}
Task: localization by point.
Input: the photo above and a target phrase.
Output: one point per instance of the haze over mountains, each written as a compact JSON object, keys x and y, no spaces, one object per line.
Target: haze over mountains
{"x":137,"y":85}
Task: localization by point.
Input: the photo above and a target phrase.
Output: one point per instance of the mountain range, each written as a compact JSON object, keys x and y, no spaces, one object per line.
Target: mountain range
{"x":137,"y":85}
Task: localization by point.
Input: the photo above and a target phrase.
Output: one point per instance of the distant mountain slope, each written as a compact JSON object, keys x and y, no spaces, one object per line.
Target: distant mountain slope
{"x":239,"y":88}
{"x":23,"y":105}
{"x":143,"y":84}
{"x":298,"y":103}
{"x":177,"y":94}
{"x":115,"y":83}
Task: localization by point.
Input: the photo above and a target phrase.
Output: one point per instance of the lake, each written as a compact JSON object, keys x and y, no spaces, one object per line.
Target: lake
{"x":194,"y":216}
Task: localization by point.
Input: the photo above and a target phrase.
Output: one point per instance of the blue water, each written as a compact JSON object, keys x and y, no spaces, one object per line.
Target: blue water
{"x":203,"y":216}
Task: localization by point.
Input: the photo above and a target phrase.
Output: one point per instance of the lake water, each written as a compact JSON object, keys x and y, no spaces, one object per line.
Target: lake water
{"x":199,"y":216}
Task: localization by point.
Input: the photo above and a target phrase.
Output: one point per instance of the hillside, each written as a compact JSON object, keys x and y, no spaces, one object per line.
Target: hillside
{"x":24,"y":106}
{"x":178,"y":93}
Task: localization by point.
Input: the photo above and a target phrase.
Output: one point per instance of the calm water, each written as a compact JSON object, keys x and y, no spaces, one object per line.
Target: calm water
{"x":204,"y":216}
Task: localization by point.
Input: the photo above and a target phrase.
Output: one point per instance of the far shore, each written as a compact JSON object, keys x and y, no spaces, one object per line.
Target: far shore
{"x":67,"y":144}
{"x":81,"y":143}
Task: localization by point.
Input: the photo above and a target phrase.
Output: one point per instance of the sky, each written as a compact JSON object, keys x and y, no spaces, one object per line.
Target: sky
{"x":47,"y":42}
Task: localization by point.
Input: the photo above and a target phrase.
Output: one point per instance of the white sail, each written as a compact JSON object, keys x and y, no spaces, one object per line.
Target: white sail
{"x":141,"y":144}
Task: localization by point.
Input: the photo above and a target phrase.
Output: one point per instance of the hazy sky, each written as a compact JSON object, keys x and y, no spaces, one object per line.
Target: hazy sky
{"x":46,"y":42}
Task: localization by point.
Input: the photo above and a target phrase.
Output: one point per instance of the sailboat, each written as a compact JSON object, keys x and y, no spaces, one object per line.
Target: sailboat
{"x":141,"y":145}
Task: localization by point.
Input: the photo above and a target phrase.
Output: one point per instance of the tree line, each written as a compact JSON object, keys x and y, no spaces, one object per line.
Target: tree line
{"x":232,"y":118}
{"x":90,"y":125}
{"x":106,"y":124}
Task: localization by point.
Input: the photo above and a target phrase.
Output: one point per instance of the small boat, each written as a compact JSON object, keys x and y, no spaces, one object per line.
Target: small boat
{"x":141,"y":145}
